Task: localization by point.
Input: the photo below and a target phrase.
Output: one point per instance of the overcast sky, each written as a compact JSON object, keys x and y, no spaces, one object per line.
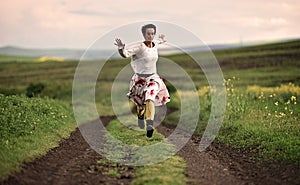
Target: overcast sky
{"x":77,"y":23}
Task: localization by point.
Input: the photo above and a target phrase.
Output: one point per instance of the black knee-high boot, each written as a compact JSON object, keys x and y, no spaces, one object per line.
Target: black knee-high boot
{"x":149,"y":128}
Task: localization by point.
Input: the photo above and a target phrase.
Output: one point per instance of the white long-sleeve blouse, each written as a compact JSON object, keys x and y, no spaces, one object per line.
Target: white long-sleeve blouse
{"x":143,"y":58}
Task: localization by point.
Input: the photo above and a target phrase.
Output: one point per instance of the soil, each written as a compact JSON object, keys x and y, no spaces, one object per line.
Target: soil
{"x":75,"y":162}
{"x":222,"y":164}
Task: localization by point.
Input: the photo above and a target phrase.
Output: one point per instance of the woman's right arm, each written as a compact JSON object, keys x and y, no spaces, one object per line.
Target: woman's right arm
{"x":128,"y":51}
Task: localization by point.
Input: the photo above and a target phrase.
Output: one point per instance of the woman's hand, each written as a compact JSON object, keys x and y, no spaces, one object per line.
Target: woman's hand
{"x":119,"y":43}
{"x":162,"y":37}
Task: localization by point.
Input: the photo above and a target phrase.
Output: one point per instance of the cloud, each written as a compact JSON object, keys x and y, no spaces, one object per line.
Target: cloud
{"x":262,"y":22}
{"x":89,"y":13}
{"x":77,"y":23}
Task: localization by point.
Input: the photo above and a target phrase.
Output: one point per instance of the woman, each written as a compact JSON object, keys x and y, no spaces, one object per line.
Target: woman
{"x":147,"y":89}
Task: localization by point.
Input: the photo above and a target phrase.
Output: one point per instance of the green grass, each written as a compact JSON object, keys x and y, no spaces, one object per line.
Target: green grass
{"x":15,"y":59}
{"x":265,"y":120}
{"x":112,"y":172}
{"x":169,"y":171}
{"x":29,"y":128}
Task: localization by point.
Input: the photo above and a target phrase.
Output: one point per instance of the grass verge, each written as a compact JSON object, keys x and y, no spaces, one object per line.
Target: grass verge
{"x":29,"y":128}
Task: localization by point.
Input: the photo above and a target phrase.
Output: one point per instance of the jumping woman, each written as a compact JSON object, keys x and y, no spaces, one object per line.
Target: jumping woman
{"x":147,"y":89}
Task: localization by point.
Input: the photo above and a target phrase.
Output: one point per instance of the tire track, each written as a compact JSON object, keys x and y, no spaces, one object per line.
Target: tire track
{"x":221,"y":164}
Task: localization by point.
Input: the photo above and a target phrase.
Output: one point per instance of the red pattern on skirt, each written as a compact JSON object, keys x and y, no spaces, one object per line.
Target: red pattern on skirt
{"x":144,"y":88}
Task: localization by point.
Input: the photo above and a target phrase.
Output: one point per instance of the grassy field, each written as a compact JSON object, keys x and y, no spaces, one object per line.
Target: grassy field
{"x":262,"y":98}
{"x":263,"y":109}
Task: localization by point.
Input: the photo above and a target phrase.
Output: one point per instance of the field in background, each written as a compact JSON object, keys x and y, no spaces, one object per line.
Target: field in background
{"x":262,"y":93}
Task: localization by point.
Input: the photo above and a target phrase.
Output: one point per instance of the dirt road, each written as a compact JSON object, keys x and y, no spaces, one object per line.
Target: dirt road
{"x":74,"y":162}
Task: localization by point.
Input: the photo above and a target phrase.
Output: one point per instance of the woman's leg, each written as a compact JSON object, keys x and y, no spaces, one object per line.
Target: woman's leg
{"x":141,"y":116}
{"x":140,"y":110}
{"x":150,"y":111}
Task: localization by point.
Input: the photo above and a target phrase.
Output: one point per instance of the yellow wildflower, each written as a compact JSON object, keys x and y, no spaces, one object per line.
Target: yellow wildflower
{"x":281,"y":114}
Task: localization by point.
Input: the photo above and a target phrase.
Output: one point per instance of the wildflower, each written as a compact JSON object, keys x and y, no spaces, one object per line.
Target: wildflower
{"x":281,"y":114}
{"x":266,"y":107}
{"x":288,"y":102}
{"x":285,"y":108}
{"x":276,"y":103}
{"x":271,"y":95}
{"x":261,"y":95}
{"x":293,"y":98}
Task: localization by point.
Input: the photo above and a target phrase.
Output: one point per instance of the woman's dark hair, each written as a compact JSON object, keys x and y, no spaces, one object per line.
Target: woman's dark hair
{"x":148,"y":26}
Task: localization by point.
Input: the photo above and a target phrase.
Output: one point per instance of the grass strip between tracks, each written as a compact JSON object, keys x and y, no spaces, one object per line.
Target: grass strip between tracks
{"x":169,"y":171}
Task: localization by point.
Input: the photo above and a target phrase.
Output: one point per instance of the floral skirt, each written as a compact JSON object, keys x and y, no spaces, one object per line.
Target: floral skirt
{"x":148,"y":88}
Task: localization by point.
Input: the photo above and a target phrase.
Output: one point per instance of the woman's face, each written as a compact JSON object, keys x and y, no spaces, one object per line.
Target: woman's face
{"x":149,"y":34}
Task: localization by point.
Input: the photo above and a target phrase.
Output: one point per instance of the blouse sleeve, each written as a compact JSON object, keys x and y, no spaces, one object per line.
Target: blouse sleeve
{"x":130,"y":50}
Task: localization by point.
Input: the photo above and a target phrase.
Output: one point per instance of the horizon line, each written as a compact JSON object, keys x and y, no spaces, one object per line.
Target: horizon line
{"x":241,"y":43}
